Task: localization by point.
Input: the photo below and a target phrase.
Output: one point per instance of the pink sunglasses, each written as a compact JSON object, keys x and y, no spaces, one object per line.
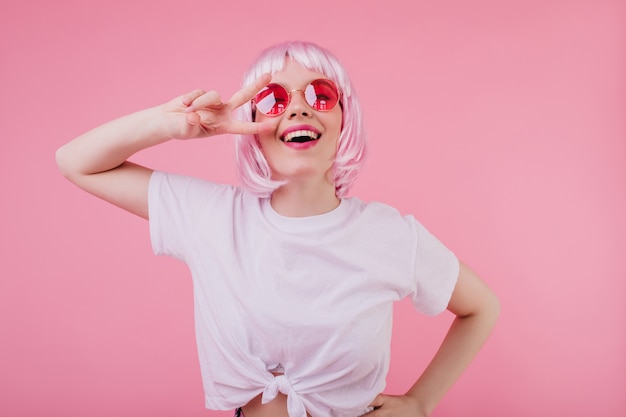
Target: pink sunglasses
{"x":321,"y":95}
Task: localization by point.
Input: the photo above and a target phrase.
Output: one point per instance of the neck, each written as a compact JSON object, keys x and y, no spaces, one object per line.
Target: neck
{"x":296,"y":199}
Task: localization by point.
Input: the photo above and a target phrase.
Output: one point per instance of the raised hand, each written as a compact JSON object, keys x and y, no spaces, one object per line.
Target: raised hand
{"x":200,"y":114}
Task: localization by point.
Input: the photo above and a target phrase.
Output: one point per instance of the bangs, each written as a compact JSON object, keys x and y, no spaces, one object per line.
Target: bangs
{"x":272,"y":60}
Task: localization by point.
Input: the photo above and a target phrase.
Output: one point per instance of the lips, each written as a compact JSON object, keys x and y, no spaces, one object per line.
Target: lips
{"x":300,"y":134}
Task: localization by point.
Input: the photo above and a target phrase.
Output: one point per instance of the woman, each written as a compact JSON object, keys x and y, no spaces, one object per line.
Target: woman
{"x":294,"y":282}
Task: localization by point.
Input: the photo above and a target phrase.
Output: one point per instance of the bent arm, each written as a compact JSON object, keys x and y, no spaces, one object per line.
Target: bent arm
{"x":97,"y":160}
{"x":477,"y":309}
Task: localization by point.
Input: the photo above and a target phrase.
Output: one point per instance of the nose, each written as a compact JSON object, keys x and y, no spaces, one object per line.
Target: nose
{"x":298,"y":105}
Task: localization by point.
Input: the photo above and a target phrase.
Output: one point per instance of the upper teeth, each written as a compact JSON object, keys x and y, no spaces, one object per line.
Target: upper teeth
{"x":289,"y":136}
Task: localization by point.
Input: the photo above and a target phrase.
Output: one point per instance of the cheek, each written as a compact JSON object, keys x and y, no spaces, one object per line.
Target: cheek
{"x":269,"y":147}
{"x":336,"y":125}
{"x":267,"y":138}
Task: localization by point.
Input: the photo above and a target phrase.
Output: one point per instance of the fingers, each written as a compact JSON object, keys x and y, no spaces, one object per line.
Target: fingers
{"x":375,"y":405}
{"x":251,"y":128}
{"x":193,"y":119}
{"x":188,"y":98}
{"x":245,"y":94}
{"x":199,"y":101}
{"x":396,"y":405}
{"x":378,"y":401}
{"x":207,"y":110}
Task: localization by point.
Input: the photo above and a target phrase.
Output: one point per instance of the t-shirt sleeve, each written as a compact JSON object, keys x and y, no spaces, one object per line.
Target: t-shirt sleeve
{"x":436,"y":273}
{"x":168,"y":222}
{"x":180,"y":208}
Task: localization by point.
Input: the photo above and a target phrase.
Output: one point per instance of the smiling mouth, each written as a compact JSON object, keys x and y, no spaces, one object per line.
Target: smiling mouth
{"x":300,"y":136}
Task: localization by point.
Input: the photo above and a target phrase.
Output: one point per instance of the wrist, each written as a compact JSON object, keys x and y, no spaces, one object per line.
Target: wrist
{"x":149,"y":127}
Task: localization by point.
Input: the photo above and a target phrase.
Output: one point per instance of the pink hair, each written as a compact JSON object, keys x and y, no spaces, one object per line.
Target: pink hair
{"x":254,"y":170}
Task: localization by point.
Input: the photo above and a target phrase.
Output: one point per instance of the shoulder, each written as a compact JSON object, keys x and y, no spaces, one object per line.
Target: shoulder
{"x":193,"y":196}
{"x":387,"y":222}
{"x":192,"y":187}
{"x":382,"y":222}
{"x":380,"y":212}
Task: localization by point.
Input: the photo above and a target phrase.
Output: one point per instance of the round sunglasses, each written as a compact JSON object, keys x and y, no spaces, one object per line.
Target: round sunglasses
{"x":321,"y":95}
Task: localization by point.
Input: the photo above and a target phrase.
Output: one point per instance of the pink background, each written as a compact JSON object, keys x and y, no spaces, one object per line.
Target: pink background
{"x":499,"y":124}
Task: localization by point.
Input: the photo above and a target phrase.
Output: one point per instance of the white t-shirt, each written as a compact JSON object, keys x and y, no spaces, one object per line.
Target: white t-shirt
{"x":308,"y":297}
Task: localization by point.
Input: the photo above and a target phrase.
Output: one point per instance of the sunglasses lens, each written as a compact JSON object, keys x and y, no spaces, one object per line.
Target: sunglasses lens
{"x":321,"y":95}
{"x":272,"y":100}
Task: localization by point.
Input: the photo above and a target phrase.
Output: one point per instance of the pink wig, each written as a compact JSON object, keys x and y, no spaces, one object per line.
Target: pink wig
{"x":254,"y":170}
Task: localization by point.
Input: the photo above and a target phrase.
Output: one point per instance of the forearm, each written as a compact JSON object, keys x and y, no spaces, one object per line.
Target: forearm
{"x":97,"y":160}
{"x":109,"y":145}
{"x":466,"y":336}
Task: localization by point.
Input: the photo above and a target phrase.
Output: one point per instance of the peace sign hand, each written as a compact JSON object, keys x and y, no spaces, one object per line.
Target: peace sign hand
{"x":202,"y":114}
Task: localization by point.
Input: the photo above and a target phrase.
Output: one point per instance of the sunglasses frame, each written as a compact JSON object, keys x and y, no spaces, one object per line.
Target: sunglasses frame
{"x":290,"y":92}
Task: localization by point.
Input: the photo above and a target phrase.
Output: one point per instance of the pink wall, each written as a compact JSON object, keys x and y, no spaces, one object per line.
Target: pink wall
{"x":500,"y":125}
